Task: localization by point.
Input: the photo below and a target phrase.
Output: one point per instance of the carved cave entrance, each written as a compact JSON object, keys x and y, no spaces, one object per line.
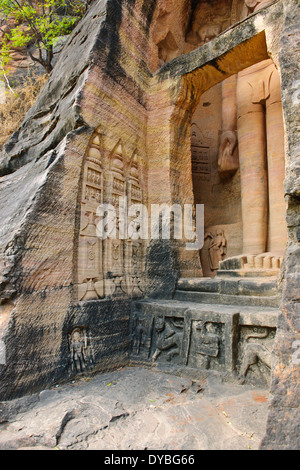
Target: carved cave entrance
{"x":237,"y":147}
{"x":225,"y":322}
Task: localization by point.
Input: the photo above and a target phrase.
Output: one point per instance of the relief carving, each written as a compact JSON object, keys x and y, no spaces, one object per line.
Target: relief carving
{"x":213,"y":252}
{"x":81,"y":352}
{"x":200,"y":148}
{"x":111,"y":265}
{"x":141,"y":336}
{"x":228,"y":153}
{"x":90,"y":258}
{"x":257,"y":352}
{"x":208,"y":342}
{"x":209,"y":20}
{"x":205,"y":340}
{"x":135,"y":248}
{"x":228,"y":160}
{"x":217,"y":248}
{"x":168,"y":338}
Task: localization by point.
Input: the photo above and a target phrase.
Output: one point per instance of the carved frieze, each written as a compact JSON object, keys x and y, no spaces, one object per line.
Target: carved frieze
{"x":208,"y":340}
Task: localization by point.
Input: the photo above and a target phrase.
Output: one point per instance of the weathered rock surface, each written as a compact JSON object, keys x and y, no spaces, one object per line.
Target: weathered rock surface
{"x":102,"y":86}
{"x":136,"y":409}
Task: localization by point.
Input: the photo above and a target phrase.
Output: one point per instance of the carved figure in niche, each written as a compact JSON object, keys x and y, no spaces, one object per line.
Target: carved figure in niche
{"x":209,"y":20}
{"x":209,"y":342}
{"x":81,"y":353}
{"x":261,"y":154}
{"x":217,"y":249}
{"x":228,"y":155}
{"x":117,"y":264}
{"x":167,"y":339}
{"x":89,"y":283}
{"x":256,"y":352}
{"x":228,"y":161}
{"x":208,"y":32}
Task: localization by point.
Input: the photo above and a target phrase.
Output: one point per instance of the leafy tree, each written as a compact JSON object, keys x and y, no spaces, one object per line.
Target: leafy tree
{"x":36,"y":25}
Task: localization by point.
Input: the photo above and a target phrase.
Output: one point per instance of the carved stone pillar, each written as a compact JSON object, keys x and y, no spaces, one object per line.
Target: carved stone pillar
{"x":253,"y":161}
{"x":261,"y":151}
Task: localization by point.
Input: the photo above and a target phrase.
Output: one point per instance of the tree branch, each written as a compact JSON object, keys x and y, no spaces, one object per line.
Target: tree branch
{"x":6,"y":79}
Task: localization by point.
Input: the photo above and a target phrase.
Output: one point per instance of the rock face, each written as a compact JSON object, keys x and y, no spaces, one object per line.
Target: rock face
{"x":123,"y":118}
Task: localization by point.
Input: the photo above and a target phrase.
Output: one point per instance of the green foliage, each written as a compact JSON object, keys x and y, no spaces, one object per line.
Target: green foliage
{"x":37,"y":24}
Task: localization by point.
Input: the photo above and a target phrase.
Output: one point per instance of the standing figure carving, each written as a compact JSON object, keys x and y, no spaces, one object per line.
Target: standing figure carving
{"x":80,"y":350}
{"x":217,"y":249}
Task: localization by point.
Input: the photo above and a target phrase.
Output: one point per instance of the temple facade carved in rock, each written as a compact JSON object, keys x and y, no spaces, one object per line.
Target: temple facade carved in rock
{"x":158,"y":103}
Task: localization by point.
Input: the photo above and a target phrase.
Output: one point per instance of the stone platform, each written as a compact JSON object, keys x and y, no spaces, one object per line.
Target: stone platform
{"x":225,"y":325}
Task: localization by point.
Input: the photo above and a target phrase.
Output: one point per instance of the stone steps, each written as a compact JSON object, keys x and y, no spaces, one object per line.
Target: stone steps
{"x":244,"y":266}
{"x":229,"y":291}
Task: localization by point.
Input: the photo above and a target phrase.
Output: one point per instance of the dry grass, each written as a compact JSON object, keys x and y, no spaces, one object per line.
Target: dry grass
{"x":17,"y":104}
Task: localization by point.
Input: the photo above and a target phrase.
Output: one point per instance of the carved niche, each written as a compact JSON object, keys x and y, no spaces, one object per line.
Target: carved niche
{"x":90,"y":284}
{"x":167,"y":31}
{"x":168,"y":335}
{"x":211,"y":18}
{"x":111,"y":265}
